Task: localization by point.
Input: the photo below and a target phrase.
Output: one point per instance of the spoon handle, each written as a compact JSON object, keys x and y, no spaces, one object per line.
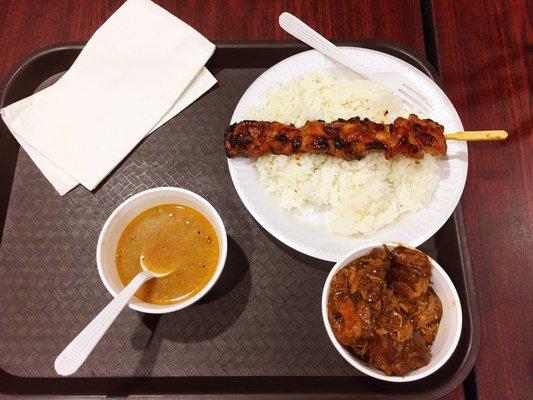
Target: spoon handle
{"x":79,"y":349}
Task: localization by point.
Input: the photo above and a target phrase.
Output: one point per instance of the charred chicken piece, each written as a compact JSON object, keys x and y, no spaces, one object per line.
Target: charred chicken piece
{"x":348,"y":139}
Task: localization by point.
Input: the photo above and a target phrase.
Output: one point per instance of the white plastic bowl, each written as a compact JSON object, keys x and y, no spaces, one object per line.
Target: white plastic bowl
{"x":125,"y":213}
{"x":447,"y":336}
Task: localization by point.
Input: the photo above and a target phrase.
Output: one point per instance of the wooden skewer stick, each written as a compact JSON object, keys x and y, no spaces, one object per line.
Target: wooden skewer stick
{"x":473,"y":136}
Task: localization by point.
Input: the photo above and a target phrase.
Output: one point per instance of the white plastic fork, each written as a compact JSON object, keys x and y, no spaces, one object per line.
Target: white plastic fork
{"x":395,"y":81}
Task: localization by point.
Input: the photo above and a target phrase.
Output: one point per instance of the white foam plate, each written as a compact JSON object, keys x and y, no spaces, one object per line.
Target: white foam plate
{"x":309,"y":234}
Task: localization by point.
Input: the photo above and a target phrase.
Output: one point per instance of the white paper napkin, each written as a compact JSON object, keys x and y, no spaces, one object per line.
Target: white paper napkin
{"x":62,"y":181}
{"x":138,"y":70}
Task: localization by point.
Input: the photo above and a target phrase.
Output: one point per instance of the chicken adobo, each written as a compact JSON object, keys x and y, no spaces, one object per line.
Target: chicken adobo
{"x":382,"y":308}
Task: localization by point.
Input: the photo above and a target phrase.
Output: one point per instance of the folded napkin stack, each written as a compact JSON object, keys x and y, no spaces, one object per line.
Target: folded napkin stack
{"x":138,"y":70}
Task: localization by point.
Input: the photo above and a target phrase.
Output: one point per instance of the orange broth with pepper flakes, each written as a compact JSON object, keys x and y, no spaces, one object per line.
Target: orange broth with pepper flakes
{"x":174,"y":238}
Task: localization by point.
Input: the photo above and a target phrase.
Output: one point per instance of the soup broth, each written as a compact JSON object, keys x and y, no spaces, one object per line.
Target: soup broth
{"x":170,"y":238}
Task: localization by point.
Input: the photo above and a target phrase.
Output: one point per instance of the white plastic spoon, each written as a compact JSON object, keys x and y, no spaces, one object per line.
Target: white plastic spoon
{"x":79,"y":349}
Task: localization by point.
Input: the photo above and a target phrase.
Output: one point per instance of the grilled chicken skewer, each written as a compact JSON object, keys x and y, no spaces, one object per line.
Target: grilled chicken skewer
{"x":351,"y":139}
{"x":348,"y":139}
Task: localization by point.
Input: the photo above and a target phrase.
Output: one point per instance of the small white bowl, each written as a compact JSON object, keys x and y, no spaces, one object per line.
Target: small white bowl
{"x":449,"y":329}
{"x":125,"y":213}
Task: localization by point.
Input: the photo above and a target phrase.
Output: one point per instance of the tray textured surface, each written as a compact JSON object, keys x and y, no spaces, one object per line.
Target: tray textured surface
{"x":259,"y":331}
{"x":262,"y":319}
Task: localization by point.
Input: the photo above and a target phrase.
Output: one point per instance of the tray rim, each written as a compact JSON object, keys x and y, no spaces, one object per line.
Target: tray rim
{"x":12,"y":384}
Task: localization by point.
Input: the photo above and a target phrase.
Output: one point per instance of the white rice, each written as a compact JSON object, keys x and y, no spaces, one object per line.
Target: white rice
{"x":360,"y":196}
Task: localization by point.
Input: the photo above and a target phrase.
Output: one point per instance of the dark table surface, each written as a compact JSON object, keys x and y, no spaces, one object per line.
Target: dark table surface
{"x":482,"y":49}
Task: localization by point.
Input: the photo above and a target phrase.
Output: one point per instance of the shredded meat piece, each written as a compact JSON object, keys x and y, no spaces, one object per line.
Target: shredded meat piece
{"x":355,"y":294}
{"x":381,"y":307}
{"x":348,"y":139}
{"x":398,"y":358}
{"x":410,"y":273}
{"x":427,"y":316}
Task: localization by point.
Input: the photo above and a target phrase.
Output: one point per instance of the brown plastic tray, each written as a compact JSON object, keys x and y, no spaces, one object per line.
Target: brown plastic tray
{"x":259,"y":332}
